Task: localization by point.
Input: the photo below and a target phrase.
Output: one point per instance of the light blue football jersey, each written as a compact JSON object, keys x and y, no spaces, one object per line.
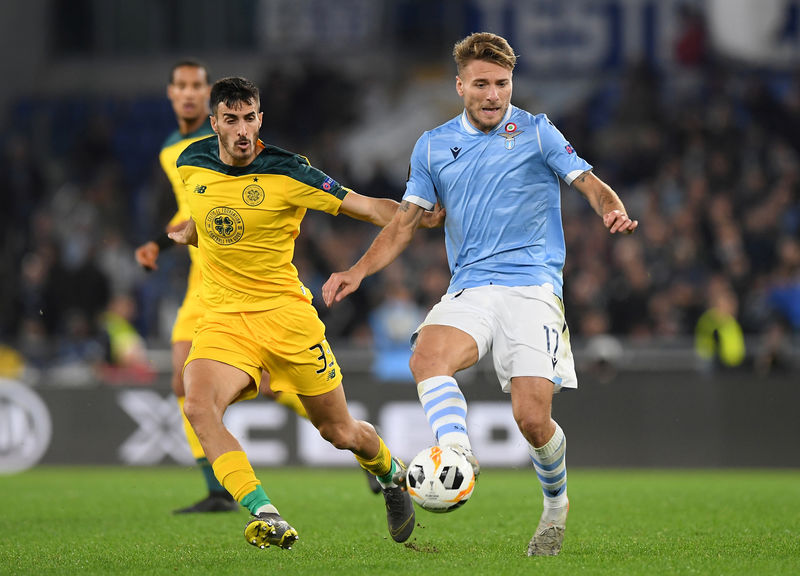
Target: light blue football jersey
{"x":502,"y":196}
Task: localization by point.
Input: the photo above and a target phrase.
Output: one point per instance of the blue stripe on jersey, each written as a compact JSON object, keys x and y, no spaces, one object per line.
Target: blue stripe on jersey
{"x":502,"y":196}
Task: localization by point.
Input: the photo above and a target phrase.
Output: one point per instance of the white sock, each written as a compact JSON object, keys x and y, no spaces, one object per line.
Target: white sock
{"x":268,"y":508}
{"x":446,"y":409}
{"x":550,"y":464}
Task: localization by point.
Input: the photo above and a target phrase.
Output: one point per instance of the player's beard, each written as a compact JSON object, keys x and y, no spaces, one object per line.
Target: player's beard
{"x":243,"y":157}
{"x":482,"y":122}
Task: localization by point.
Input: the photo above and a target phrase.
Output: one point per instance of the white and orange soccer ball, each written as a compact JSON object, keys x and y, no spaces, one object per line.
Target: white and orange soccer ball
{"x":440,"y":479}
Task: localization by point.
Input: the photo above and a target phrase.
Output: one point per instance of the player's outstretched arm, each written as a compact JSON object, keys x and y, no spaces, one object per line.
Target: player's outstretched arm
{"x":380,"y":211}
{"x":389,"y":243}
{"x":185,"y":234}
{"x":606,"y":203}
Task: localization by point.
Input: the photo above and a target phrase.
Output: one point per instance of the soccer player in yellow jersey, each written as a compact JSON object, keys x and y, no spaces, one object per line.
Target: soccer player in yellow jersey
{"x":188,"y":92}
{"x":247,"y":201}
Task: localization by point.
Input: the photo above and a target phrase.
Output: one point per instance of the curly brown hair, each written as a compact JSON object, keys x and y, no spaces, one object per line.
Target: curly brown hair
{"x":484,"y":46}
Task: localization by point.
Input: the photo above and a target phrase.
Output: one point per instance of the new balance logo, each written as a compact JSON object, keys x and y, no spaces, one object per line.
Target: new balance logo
{"x":455,"y":150}
{"x":199,"y":189}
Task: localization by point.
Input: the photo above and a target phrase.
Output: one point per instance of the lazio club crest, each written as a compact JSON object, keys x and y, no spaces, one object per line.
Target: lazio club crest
{"x":224,"y":225}
{"x":510,"y":132}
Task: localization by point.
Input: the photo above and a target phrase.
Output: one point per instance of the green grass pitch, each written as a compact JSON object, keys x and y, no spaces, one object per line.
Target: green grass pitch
{"x":118,"y":521}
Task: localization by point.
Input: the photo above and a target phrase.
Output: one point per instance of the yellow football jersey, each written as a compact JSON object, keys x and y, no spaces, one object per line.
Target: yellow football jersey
{"x":172,"y":147}
{"x":247,"y":220}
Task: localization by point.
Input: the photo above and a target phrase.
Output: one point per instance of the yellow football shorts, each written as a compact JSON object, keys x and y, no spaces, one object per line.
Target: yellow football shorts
{"x":288,"y":342}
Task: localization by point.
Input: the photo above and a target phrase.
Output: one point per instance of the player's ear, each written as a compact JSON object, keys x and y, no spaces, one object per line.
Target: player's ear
{"x":213,"y":123}
{"x":459,"y":86}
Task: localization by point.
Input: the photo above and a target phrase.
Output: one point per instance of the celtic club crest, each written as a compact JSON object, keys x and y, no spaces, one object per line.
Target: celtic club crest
{"x":253,"y":195}
{"x":224,"y":225}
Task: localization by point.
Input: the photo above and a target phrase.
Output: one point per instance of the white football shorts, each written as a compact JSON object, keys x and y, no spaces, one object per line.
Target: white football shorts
{"x":524,"y":326}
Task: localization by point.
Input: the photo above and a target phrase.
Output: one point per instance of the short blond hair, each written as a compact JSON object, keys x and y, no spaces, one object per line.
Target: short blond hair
{"x":484,"y":46}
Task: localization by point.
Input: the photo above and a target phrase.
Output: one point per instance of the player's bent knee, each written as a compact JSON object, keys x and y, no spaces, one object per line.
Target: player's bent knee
{"x":536,"y":430}
{"x":338,"y":434}
{"x":414,"y":366}
{"x":196,"y":412}
{"x":424,"y":365}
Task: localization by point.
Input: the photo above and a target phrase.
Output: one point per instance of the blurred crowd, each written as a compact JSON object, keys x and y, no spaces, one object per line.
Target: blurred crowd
{"x":705,"y":157}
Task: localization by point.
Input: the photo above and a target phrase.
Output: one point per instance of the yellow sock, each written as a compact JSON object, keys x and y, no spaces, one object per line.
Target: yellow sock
{"x":381,"y":464}
{"x":234,"y":472}
{"x":191,"y":437}
{"x":291,"y":401}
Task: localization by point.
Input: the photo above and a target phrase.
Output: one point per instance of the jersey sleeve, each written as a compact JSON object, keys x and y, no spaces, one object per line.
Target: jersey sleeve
{"x":311,"y":188}
{"x":558,"y":153}
{"x":420,"y":189}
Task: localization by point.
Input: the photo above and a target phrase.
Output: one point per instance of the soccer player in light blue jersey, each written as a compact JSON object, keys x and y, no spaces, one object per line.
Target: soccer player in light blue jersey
{"x":495,"y":170}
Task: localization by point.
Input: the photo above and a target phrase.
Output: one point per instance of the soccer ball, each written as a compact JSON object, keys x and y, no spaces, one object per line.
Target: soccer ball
{"x":439,"y":479}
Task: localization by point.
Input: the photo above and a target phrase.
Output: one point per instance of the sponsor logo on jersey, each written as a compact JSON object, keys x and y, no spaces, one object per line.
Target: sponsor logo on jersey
{"x":253,"y":195}
{"x":455,"y":150}
{"x":199,"y":189}
{"x":569,"y":149}
{"x":224,"y":225}
{"x":328,"y":184}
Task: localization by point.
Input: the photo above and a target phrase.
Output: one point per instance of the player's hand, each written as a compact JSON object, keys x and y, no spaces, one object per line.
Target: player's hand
{"x":618,"y":221}
{"x":340,"y":285}
{"x":184,"y":233}
{"x":179,"y":226}
{"x":433,"y":218}
{"x":146,"y":255}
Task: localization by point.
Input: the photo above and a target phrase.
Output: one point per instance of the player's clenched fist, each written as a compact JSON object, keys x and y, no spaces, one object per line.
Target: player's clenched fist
{"x":618,"y":221}
{"x":147,"y":254}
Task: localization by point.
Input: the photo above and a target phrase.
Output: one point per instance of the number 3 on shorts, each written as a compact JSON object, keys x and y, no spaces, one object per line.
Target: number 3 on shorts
{"x":321,"y":357}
